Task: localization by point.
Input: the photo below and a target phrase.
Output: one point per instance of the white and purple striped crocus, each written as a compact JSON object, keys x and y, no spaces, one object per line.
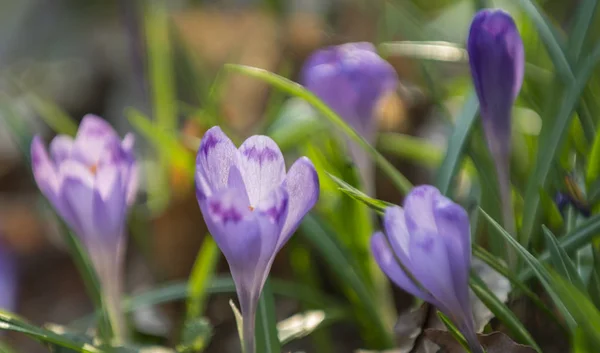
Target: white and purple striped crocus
{"x":91,"y":181}
{"x":251,"y":207}
{"x":497,"y":61}
{"x":351,"y":78}
{"x":430,"y":238}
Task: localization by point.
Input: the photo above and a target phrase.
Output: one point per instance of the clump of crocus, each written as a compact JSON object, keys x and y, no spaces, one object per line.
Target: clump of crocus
{"x":497,"y":61}
{"x":91,"y":181}
{"x":8,"y":279}
{"x":351,"y":78}
{"x":426,"y":250}
{"x":251,"y":207}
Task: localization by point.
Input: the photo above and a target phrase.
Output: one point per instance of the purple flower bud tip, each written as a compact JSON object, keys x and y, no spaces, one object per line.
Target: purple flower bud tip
{"x":251,"y":206}
{"x":91,"y":181}
{"x":429,"y":237}
{"x":497,"y":61}
{"x":350,"y":78}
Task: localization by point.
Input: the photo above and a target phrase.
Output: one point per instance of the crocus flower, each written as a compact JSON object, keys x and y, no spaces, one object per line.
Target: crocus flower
{"x":251,"y":207}
{"x":426,"y":250}
{"x":351,"y":78}
{"x":91,"y":181}
{"x":497,"y":61}
{"x":8,"y":279}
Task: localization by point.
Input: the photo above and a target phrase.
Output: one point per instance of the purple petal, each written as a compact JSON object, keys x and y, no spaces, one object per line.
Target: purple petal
{"x":454,"y":228}
{"x":8,"y":279}
{"x":418,"y":209}
{"x":302,"y":185}
{"x":395,"y":228}
{"x":262,"y":166}
{"x":215,"y":157}
{"x":109,"y":205}
{"x":431,"y":267}
{"x":387,"y":262}
{"x":92,"y":137}
{"x":496,"y":58}
{"x":60,"y":148}
{"x":44,"y":170}
{"x":77,"y":199}
{"x":128,"y":143}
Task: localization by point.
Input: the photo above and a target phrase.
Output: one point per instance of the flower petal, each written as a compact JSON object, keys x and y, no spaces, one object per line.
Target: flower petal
{"x":93,"y":135}
{"x":302,"y":185}
{"x":262,"y":166}
{"x":398,"y":236}
{"x":77,"y":197}
{"x":215,"y":157}
{"x":109,"y":205}
{"x":44,"y":170}
{"x":418,"y":209}
{"x":387,"y":262}
{"x":454,"y":228}
{"x":60,"y":148}
{"x":431,"y":267}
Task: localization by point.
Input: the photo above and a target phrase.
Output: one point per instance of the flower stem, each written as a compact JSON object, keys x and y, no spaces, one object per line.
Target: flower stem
{"x":249,"y":331}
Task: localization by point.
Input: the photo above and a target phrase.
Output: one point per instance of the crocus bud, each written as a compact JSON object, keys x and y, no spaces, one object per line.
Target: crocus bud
{"x":91,"y":181}
{"x":431,"y":239}
{"x":251,"y":207}
{"x":497,"y":61}
{"x":351,"y":78}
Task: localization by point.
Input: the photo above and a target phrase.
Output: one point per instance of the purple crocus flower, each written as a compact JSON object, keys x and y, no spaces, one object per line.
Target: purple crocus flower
{"x":430,"y":238}
{"x":351,"y":78}
{"x":251,"y":207}
{"x":91,"y":181}
{"x":497,"y":61}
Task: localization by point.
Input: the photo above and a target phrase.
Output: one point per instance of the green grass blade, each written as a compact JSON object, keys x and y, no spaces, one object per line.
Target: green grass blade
{"x":581,"y":23}
{"x":377,"y":205}
{"x":267,"y":339}
{"x":333,"y":253}
{"x":541,"y":273}
{"x":554,"y":133}
{"x":8,"y":322}
{"x":297,"y":90}
{"x":457,"y":144}
{"x":411,"y":148}
{"x":560,"y":260}
{"x":56,"y":118}
{"x":502,"y":312}
{"x":200,"y":278}
{"x":593,"y":165}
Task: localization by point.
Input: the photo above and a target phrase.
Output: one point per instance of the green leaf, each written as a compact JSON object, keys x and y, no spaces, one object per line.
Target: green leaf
{"x":297,"y":122}
{"x":581,"y":308}
{"x":8,"y":322}
{"x":541,"y":273}
{"x":267,"y":340}
{"x":411,"y":148}
{"x":325,"y":243}
{"x":297,"y":90}
{"x":56,"y":118}
{"x":554,"y":135}
{"x":502,"y":312}
{"x":202,"y":273}
{"x":453,"y":330}
{"x":572,"y":241}
{"x":196,"y":335}
{"x":239,"y":321}
{"x":457,"y":144}
{"x":581,"y":24}
{"x":377,"y":205}
{"x":561,"y":261}
{"x":593,"y":164}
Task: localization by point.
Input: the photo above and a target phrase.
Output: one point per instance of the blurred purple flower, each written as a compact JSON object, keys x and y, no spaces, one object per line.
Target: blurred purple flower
{"x":431,"y":239}
{"x":497,"y":61}
{"x":91,"y":181}
{"x":351,"y":78}
{"x":8,"y":279}
{"x":251,"y":207}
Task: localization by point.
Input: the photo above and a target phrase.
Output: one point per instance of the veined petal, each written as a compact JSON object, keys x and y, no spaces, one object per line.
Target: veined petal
{"x":60,"y":148}
{"x":431,"y":267}
{"x":387,"y":262}
{"x":454,"y":229}
{"x":262,"y":166}
{"x":215,"y":157}
{"x":44,"y":170}
{"x":395,"y":228}
{"x":418,"y":209}
{"x":302,"y":186}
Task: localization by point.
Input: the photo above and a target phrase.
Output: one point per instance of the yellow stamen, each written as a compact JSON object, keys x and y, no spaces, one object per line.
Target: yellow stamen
{"x":93,"y":168}
{"x":251,"y":208}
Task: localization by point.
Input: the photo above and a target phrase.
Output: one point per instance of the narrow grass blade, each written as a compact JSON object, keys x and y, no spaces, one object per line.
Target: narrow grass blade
{"x":202,"y":274}
{"x":457,"y":144}
{"x":377,"y":205}
{"x":297,"y":90}
{"x":411,"y":148}
{"x":561,"y":261}
{"x":581,"y":24}
{"x":267,"y":339}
